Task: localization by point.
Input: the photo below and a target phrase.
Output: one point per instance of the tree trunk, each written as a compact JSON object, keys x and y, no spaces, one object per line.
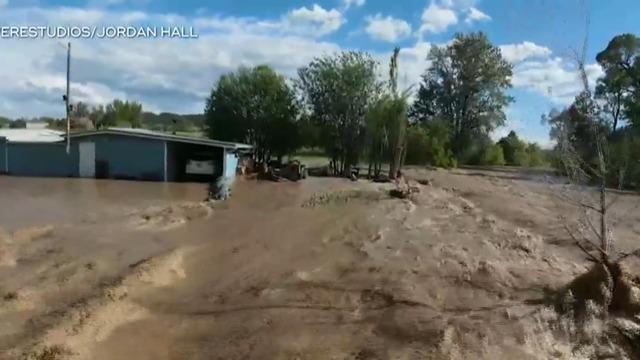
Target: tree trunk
{"x":394,"y":166}
{"x":604,"y":238}
{"x":404,"y":154}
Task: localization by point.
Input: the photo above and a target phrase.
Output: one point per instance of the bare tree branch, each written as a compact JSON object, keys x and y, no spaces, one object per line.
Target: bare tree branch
{"x":591,"y":226}
{"x":581,"y":246}
{"x":577,"y":202}
{"x":624,"y":256}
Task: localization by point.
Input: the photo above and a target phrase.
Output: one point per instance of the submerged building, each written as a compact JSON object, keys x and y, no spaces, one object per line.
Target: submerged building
{"x":117,"y":153}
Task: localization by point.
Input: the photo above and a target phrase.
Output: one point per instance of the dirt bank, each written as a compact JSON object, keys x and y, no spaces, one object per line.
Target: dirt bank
{"x":319,"y":269}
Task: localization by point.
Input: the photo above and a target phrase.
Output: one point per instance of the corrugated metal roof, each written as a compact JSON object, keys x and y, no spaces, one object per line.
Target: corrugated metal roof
{"x":144,"y":133}
{"x":32,"y":135}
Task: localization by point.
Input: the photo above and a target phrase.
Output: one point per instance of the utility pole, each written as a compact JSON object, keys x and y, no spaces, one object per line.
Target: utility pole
{"x":67,"y":98}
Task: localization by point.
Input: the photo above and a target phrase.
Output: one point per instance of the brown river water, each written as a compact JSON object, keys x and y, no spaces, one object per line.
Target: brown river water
{"x":319,"y":269}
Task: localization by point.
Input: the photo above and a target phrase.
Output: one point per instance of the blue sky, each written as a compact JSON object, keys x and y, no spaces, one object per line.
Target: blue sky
{"x":537,"y":36}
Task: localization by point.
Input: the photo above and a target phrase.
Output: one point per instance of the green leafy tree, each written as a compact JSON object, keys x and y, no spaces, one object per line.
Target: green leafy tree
{"x":619,"y":91}
{"x":18,"y":124}
{"x":386,"y":125}
{"x":57,"y":124}
{"x":620,"y":87}
{"x":514,"y":150}
{"x":4,"y":122}
{"x":377,"y":135}
{"x":465,"y":86}
{"x":429,"y":145}
{"x":97,"y":116}
{"x":257,"y":107}
{"x":418,"y":148}
{"x":578,"y":127}
{"x":170,"y":122}
{"x":536,"y":157}
{"x":122,"y":113}
{"x":81,"y":110}
{"x":309,"y":131}
{"x":339,"y":90}
{"x":474,"y":149}
{"x":493,"y":155}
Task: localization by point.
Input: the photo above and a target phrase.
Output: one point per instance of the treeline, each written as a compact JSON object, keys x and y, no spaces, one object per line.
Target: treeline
{"x":427,"y":145}
{"x":170,"y":122}
{"x":6,"y":122}
{"x":116,"y":114}
{"x":83,"y":116}
{"x":610,"y":116}
{"x":340,"y":103}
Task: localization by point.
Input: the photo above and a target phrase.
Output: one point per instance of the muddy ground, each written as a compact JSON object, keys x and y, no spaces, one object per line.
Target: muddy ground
{"x":320,"y":269}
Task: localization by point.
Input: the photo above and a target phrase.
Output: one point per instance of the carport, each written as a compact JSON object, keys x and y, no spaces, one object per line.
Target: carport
{"x":139,"y":154}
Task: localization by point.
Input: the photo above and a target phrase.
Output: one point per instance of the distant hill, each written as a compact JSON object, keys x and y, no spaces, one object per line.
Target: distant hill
{"x":169,"y":122}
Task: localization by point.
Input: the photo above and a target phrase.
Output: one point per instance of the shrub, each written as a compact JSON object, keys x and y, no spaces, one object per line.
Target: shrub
{"x":535,"y":156}
{"x":514,"y":149}
{"x":429,"y":146}
{"x":418,"y":146}
{"x":493,"y":155}
{"x":475,"y":149}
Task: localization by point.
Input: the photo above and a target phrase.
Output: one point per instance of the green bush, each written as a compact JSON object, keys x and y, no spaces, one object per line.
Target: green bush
{"x":536,"y":156}
{"x":418,"y":148}
{"x":493,"y":155}
{"x":474,"y":150}
{"x":429,"y":146}
{"x":624,"y":162}
{"x":514,"y":149}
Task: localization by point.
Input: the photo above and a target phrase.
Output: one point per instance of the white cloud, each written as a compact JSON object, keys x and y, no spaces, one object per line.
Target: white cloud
{"x":314,"y":22}
{"x":437,"y":18}
{"x":316,"y":19}
{"x":516,"y":53}
{"x":476,"y":15}
{"x":164,"y":74}
{"x":554,"y":78}
{"x":349,"y":3}
{"x":387,"y":28}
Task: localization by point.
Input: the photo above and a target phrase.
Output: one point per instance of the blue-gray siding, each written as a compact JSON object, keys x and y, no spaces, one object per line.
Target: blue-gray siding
{"x":117,"y":156}
{"x":129,"y":157}
{"x":3,"y":155}
{"x":42,"y":159}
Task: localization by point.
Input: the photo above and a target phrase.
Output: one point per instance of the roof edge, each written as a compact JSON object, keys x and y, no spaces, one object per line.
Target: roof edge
{"x":165,"y":137}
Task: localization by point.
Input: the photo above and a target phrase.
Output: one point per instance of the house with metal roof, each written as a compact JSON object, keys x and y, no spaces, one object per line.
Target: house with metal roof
{"x":117,"y":153}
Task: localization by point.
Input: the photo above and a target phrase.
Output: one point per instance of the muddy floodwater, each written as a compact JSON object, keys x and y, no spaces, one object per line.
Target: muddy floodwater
{"x":41,"y":201}
{"x":319,"y":269}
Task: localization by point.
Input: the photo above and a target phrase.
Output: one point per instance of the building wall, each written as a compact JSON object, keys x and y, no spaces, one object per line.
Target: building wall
{"x":3,"y":155}
{"x":42,"y":159}
{"x":231,"y":163}
{"x":117,"y":156}
{"x":127,"y":157}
